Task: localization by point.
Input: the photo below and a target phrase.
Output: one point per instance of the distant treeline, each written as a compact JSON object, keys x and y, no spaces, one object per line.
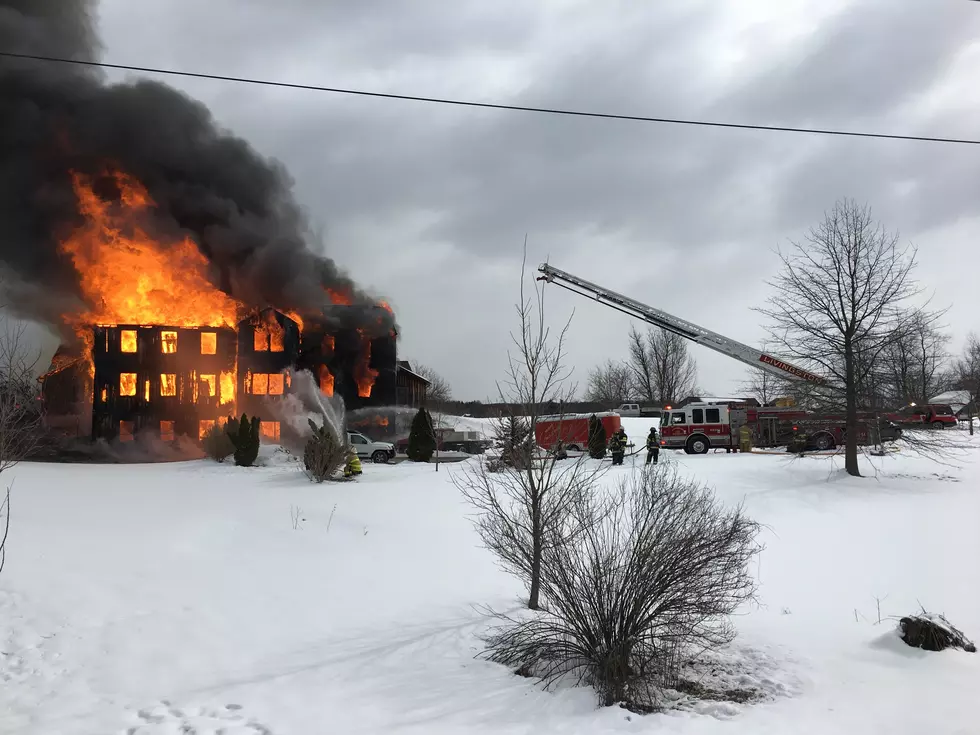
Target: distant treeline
{"x":481,"y":410}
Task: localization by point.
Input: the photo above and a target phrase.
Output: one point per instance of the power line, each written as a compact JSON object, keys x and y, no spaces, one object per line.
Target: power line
{"x":496,"y":106}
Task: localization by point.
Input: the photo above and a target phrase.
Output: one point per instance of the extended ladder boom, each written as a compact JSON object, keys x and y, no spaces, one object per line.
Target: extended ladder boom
{"x":700,"y":335}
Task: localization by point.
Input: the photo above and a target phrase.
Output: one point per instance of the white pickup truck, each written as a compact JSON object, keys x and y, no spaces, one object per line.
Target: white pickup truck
{"x":378,"y":452}
{"x":635,"y":409}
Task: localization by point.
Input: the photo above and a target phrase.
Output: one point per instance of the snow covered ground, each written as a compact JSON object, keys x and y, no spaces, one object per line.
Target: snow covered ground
{"x":180,"y":598}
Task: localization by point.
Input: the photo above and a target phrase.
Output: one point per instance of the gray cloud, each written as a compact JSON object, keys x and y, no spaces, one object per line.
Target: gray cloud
{"x":430,"y":204}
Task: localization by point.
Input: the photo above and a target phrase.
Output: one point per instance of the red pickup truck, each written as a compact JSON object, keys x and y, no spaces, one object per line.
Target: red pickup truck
{"x":935,"y":415}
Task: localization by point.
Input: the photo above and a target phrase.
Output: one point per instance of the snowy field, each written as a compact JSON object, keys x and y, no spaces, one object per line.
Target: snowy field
{"x":180,"y":598}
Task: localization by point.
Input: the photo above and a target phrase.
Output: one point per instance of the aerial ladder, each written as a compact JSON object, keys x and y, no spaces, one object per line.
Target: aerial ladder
{"x":736,"y":350}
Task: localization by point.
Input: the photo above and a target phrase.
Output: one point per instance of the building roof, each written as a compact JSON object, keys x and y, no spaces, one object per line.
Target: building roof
{"x":404,"y":366}
{"x":952,"y":398}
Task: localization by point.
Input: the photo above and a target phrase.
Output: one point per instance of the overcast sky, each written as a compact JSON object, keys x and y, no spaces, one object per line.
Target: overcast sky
{"x":429,"y":205}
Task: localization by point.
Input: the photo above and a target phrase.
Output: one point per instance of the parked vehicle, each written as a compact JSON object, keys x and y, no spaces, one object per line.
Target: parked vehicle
{"x":377,"y":452}
{"x":471,"y":442}
{"x":450,"y":440}
{"x":636,"y":409}
{"x":572,"y":430}
{"x":934,"y":415}
{"x":698,"y":427}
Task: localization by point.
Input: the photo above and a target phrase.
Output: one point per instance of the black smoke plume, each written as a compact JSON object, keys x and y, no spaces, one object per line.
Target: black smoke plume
{"x":237,"y":205}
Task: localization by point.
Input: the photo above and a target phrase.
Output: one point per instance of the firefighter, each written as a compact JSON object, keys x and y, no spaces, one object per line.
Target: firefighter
{"x":353,"y":466}
{"x":653,"y":446}
{"x":745,"y":438}
{"x":617,"y":446}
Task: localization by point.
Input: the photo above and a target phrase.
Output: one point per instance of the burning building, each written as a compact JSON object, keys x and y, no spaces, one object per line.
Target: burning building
{"x":171,"y":258}
{"x":174,"y":381}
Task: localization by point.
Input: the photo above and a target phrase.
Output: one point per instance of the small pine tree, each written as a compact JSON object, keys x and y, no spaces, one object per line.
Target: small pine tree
{"x":244,"y":434}
{"x":597,"y":438}
{"x":513,"y":436}
{"x":421,"y":438}
{"x":324,"y":455}
{"x":217,"y":444}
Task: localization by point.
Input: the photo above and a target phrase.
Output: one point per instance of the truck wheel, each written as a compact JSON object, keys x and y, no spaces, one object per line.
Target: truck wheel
{"x":938,"y":425}
{"x":697,"y":445}
{"x":572,"y":447}
{"x":380,"y":457}
{"x":823,"y":442}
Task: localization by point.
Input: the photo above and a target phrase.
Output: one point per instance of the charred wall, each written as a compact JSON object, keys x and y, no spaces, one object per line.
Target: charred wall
{"x":346,"y":363}
{"x":160,"y":379}
{"x":175,"y":381}
{"x":268,"y":345}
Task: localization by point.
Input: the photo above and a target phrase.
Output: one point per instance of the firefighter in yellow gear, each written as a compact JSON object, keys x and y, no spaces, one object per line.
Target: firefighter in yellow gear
{"x":353,"y":466}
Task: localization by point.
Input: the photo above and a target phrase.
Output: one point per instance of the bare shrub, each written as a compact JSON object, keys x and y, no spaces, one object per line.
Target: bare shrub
{"x":646,"y":579}
{"x":217,"y":444}
{"x":324,"y":455}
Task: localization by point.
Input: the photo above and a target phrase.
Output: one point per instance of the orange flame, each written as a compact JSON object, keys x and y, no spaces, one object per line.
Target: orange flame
{"x":227,"y":387}
{"x":210,"y":383}
{"x":128,"y":277}
{"x":326,"y":381}
{"x":168,"y":342}
{"x":127,"y":340}
{"x":386,"y":306}
{"x":269,"y":336}
{"x":364,"y":374}
{"x":209,"y":343}
{"x":127,"y":384}
{"x":339,"y":298}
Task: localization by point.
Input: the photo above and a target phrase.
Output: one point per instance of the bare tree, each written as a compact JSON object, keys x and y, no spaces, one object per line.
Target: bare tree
{"x":5,"y":520}
{"x":915,"y":367}
{"x":647,"y":584}
{"x":21,"y":417}
{"x":439,"y":391}
{"x":967,"y":375}
{"x":763,"y":385}
{"x":663,"y":369}
{"x":610,"y":384}
{"x":840,"y":303}
{"x":519,"y":506}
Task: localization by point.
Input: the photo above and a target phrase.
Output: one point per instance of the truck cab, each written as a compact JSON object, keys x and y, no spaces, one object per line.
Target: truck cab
{"x":933,"y":415}
{"x":697,"y":427}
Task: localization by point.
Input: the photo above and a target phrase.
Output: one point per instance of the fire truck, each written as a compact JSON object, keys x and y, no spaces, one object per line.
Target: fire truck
{"x":698,"y":427}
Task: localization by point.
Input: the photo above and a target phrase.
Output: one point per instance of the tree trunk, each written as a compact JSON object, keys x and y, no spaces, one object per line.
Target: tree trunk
{"x":532,"y":599}
{"x":850,"y":413}
{"x":969,"y":414}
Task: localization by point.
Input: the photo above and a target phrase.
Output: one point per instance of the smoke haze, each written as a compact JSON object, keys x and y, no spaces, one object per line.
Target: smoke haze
{"x":237,"y":205}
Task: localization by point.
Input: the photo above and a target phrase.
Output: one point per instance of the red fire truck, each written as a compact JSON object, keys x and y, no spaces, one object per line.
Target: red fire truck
{"x":698,"y":427}
{"x":572,"y":430}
